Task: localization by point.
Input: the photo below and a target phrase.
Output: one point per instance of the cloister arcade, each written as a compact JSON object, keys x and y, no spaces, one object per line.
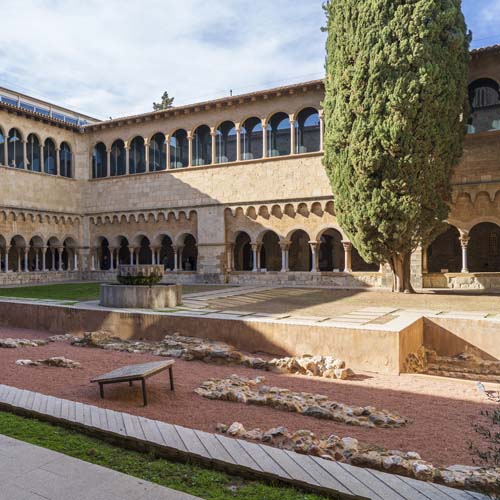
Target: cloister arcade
{"x":34,"y":153}
{"x":280,"y":134}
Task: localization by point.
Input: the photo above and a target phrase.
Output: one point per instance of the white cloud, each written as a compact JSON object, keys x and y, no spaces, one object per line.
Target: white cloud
{"x":116,"y":57}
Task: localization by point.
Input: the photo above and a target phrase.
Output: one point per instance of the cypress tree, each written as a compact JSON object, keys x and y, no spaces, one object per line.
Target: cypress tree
{"x":395,"y":113}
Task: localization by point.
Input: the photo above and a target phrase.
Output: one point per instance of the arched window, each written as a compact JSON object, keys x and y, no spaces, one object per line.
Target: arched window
{"x":118,"y":158}
{"x":137,"y":156}
{"x":34,"y":160}
{"x":189,"y":254}
{"x":243,"y":255}
{"x":484,"y":100}
{"x":2,"y":148}
{"x":202,"y":146}
{"x":225,"y":142}
{"x":99,"y":161}
{"x":483,"y":251}
{"x":65,"y":160}
{"x":49,"y":157}
{"x":278,"y":135}
{"x":15,"y":149}
{"x":157,"y":153}
{"x":330,"y":251}
{"x":179,"y":149}
{"x":251,"y":139}
{"x":270,"y":252}
{"x":299,"y":254}
{"x":307,"y":131}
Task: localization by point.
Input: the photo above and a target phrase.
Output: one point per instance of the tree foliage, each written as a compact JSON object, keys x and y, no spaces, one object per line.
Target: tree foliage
{"x":395,"y":113}
{"x":166,"y":102}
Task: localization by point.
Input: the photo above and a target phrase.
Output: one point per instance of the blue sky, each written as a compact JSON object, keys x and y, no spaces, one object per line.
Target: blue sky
{"x":115,"y":58}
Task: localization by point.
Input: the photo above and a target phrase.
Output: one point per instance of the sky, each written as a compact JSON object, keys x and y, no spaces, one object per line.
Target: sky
{"x":114,"y":58}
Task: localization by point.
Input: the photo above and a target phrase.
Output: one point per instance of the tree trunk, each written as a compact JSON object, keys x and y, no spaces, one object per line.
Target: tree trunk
{"x":401,"y":273}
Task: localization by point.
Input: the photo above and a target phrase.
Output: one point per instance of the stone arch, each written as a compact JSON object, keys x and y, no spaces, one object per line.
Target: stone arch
{"x":188,"y":251}
{"x":444,"y":252}
{"x":242,"y":251}
{"x":484,"y":248}
{"x":331,"y":254}
{"x":299,"y":252}
{"x":270,"y":251}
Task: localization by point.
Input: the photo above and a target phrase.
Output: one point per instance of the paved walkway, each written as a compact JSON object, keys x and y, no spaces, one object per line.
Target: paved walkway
{"x":28,"y":472}
{"x":222,"y":452}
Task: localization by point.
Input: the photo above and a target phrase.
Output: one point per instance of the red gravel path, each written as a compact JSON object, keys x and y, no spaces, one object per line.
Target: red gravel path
{"x":441,"y":411}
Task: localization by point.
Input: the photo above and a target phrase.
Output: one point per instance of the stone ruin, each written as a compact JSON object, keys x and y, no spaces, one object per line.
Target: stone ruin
{"x":9,"y":343}
{"x":211,"y":351}
{"x":350,"y":450}
{"x":57,"y":361}
{"x":253,"y":392}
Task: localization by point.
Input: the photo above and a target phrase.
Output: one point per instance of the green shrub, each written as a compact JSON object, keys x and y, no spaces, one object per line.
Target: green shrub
{"x":150,"y":280}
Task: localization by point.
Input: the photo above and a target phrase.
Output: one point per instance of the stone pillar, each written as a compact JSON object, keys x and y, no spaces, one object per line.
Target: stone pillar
{"x":314,"y":254}
{"x":180,"y":249}
{"x":60,"y":252}
{"x":92,"y":259}
{"x":464,"y":241}
{"x":213,"y":134}
{"x":255,"y":251}
{"x":18,"y":260}
{"x":284,"y":256}
{"x":321,"y":129}
{"x":26,"y":253}
{"x":292,"y":135}
{"x":424,"y":260}
{"x":237,"y":127}
{"x":153,"y":255}
{"x":108,"y":162}
{"x":131,"y":251}
{"x":58,"y":161}
{"x":37,"y":262}
{"x":264,"y":138}
{"x":190,"y":148}
{"x":7,"y":248}
{"x":127,"y":158}
{"x":167,"y":151}
{"x":230,"y":257}
{"x":44,"y":257}
{"x":42,"y":161}
{"x":5,"y":153}
{"x":347,"y":256}
{"x":111,"y":258}
{"x":75,"y":259}
{"x":176,"y":257}
{"x":146,"y":153}
{"x":137,"y":251}
{"x":25,"y":155}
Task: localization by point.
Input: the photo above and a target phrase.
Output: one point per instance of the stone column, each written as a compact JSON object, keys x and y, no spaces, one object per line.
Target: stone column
{"x":7,"y":248}
{"x":92,"y":259}
{"x":284,"y":256}
{"x":180,"y":249}
{"x":347,"y":256}
{"x":60,"y":252}
{"x":53,"y":252}
{"x":153,"y":255}
{"x":75,"y":259}
{"x":111,"y":258}
{"x":176,"y":257}
{"x":167,"y":151}
{"x":464,"y":241}
{"x":108,"y":162}
{"x":131,"y":251}
{"x":424,"y":260}
{"x":321,"y":129}
{"x":213,"y":134}
{"x":255,"y":251}
{"x":42,"y":161}
{"x":26,"y":253}
{"x":58,"y":162}
{"x":230,"y":257}
{"x":146,"y":153}
{"x":237,"y":127}
{"x":137,"y":251}
{"x":18,"y":260}
{"x":292,"y":135}
{"x":44,"y":257}
{"x":314,"y":254}
{"x":5,"y":153}
{"x":37,"y":262}
{"x":190,"y":148}
{"x":127,"y":158}
{"x":25,"y":155}
{"x":264,"y":138}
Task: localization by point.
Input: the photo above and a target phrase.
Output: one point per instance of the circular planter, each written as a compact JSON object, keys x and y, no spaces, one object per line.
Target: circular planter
{"x":140,"y":296}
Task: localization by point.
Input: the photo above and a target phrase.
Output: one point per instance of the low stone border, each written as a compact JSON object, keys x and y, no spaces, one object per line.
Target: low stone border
{"x":9,"y":343}
{"x":350,"y":450}
{"x":243,"y":390}
{"x":57,"y":362}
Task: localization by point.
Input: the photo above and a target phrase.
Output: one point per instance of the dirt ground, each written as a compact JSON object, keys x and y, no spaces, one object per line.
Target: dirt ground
{"x":441,"y":411}
{"x":332,"y":303}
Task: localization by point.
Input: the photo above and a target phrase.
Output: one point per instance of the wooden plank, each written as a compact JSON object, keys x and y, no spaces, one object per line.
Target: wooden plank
{"x":132,"y":426}
{"x":285,"y":462}
{"x":64,"y":409}
{"x":87,"y":419}
{"x":128,"y":372}
{"x":30,"y":400}
{"x":71,"y":411}
{"x":407,"y":490}
{"x":115,"y":422}
{"x":192,"y":442}
{"x":426,"y":489}
{"x":51,"y":403}
{"x":370,"y":478}
{"x":43,"y":403}
{"x":239,"y":454}
{"x":36,"y":403}
{"x":346,"y":478}
{"x":3,"y":391}
{"x":318,"y":473}
{"x":103,"y":421}
{"x":17,"y":397}
{"x":214,"y":447}
{"x":265,"y":461}
{"x":10,"y":395}
{"x":170,"y":436}
{"x":150,"y":431}
{"x":57,"y":407}
{"x":79,"y":413}
{"x":23,"y":399}
{"x":454,"y":493}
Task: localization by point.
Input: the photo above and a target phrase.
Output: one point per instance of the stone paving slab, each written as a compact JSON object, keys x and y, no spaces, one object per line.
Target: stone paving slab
{"x":29,"y":472}
{"x":213,"y":450}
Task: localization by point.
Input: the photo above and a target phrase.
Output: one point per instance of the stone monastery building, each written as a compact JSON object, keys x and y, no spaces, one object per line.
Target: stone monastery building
{"x":231,"y":190}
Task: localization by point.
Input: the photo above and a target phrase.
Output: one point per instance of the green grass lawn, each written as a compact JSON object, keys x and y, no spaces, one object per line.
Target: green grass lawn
{"x":78,"y":291}
{"x":190,"y":478}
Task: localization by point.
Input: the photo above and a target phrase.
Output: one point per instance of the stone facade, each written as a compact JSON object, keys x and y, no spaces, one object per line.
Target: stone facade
{"x":252,"y":204}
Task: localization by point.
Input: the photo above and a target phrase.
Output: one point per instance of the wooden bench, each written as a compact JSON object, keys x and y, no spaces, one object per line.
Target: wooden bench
{"x":140,"y":372}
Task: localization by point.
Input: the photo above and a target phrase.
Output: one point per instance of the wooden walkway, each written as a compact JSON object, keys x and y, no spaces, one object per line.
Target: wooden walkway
{"x":232,"y":455}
